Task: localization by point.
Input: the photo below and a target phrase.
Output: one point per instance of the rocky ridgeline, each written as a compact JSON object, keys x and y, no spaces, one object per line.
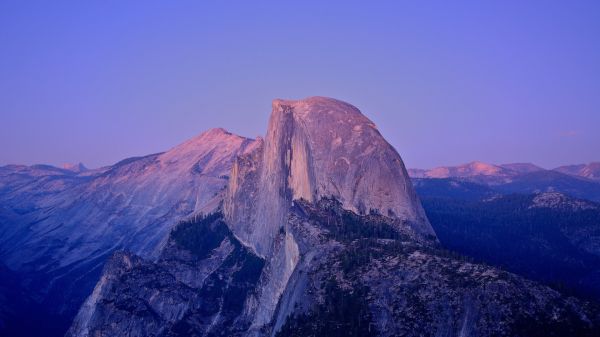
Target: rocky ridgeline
{"x":58,"y":227}
{"x":200,"y":283}
{"x":320,"y":234}
{"x":356,"y":275}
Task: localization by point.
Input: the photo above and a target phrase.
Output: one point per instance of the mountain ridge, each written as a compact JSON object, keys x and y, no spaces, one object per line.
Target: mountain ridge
{"x":478,"y":168}
{"x":509,"y":178}
{"x":323,"y":213}
{"x":58,"y":226}
{"x":251,"y":225}
{"x":590,"y":170}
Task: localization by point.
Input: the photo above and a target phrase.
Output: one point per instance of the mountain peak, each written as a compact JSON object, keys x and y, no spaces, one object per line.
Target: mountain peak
{"x":319,"y":147}
{"x":589,"y":171}
{"x":480,"y":167}
{"x":216,"y":133}
{"x":209,"y":137}
{"x":208,"y":153}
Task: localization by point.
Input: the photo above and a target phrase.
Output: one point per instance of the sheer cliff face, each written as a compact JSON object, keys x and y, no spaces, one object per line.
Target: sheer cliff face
{"x":318,"y":147}
{"x":320,"y":234}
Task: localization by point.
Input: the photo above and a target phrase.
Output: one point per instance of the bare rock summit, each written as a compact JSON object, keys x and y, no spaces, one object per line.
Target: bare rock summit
{"x":318,"y":147}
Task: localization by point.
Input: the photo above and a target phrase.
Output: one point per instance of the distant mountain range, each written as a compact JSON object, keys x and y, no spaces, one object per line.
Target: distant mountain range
{"x":478,"y":169}
{"x":590,"y":171}
{"x":581,"y":181}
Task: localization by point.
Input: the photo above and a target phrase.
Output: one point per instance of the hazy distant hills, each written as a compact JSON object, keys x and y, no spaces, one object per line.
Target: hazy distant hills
{"x":473,"y":169}
{"x":577,"y":180}
{"x":590,"y":171}
{"x":522,"y":167}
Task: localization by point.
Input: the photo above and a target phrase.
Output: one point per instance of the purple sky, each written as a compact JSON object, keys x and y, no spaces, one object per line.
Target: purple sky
{"x":446,"y":83}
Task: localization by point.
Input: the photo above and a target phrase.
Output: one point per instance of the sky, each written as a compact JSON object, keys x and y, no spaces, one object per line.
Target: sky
{"x":446,"y":82}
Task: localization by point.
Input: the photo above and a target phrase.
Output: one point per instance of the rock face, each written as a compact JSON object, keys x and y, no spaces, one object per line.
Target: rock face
{"x":58,"y":227}
{"x":320,"y":234}
{"x":361,"y":277}
{"x":318,"y":147}
{"x":198,"y":286}
{"x":356,"y":275}
{"x":314,"y":148}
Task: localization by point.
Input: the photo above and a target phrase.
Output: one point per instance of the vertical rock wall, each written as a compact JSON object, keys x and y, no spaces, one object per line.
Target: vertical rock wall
{"x":318,"y":147}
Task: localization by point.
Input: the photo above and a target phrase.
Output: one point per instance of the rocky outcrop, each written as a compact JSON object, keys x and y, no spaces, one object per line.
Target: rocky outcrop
{"x":557,"y":200}
{"x":353,"y":275}
{"x":321,"y":235}
{"x":314,"y":148}
{"x":318,"y":147}
{"x":199,"y":286}
{"x":360,"y":277}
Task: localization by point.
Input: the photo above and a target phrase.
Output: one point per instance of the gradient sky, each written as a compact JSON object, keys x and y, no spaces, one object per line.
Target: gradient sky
{"x":446,"y":82}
